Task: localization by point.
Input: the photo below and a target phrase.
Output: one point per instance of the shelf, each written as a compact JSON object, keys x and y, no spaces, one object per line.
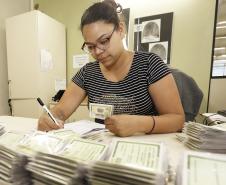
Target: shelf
{"x":220,"y":42}
{"x":221,"y":31}
{"x":219,"y":51}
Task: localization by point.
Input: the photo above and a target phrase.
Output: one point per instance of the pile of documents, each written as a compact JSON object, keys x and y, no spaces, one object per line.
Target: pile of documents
{"x":84,"y":127}
{"x":199,"y":168}
{"x":12,"y":167}
{"x":2,"y":130}
{"x":18,"y":148}
{"x":46,"y":157}
{"x":52,"y":169}
{"x":12,"y":163}
{"x":131,"y":162}
{"x":100,"y":111}
{"x":207,"y":138}
{"x":90,"y":130}
{"x":68,"y":157}
{"x":64,"y":168}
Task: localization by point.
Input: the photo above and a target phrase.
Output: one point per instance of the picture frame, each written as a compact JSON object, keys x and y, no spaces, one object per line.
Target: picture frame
{"x":153,"y":34}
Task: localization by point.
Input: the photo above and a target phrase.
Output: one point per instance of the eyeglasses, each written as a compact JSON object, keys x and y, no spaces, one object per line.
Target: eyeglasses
{"x":102,"y":43}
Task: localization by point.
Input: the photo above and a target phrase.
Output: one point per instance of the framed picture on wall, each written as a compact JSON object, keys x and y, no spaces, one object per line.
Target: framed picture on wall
{"x":160,"y":48}
{"x":151,"y":31}
{"x":153,"y":34}
{"x":126,"y":14}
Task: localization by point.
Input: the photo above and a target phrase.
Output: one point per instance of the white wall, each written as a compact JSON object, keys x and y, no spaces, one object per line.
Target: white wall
{"x":8,"y":8}
{"x":192,"y":34}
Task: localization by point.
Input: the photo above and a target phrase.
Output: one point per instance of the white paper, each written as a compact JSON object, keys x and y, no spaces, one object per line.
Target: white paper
{"x":60,"y":84}
{"x":41,"y":142}
{"x":83,"y":126}
{"x":80,"y":60}
{"x":46,"y":60}
{"x":214,"y":116}
{"x":222,"y":125}
{"x":204,"y":168}
{"x":138,"y":27}
{"x":131,"y":153}
{"x":84,"y":150}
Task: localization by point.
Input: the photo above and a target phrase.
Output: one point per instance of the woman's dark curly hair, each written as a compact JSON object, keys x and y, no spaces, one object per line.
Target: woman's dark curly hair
{"x":108,"y":11}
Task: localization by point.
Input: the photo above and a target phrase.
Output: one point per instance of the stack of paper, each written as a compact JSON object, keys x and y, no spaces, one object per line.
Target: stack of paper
{"x":12,"y":167}
{"x":12,"y":163}
{"x":199,"y":168}
{"x":2,"y":130}
{"x":213,"y":119}
{"x":84,"y":127}
{"x":62,"y":149}
{"x":104,"y":136}
{"x":41,"y":142}
{"x":201,"y":137}
{"x":51,"y":169}
{"x":90,"y":130}
{"x":63,"y":168}
{"x":131,"y":162}
{"x":17,"y":149}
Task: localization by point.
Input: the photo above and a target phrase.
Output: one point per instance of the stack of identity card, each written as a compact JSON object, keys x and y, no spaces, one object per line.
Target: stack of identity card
{"x":64,"y":157}
{"x":18,"y":148}
{"x":131,"y":162}
{"x":100,"y":111}
{"x":63,"y":167}
{"x":12,"y":162}
{"x":207,"y":138}
{"x":52,"y":169}
{"x":2,"y":130}
{"x":199,"y":168}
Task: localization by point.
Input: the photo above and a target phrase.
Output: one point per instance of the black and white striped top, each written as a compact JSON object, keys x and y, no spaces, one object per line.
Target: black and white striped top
{"x":129,"y":96}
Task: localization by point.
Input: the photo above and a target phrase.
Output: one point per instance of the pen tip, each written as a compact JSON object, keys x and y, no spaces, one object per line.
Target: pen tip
{"x":40,"y":101}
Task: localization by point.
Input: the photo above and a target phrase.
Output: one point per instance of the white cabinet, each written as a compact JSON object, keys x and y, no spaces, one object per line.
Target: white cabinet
{"x":36,"y":56}
{"x":82,"y":113}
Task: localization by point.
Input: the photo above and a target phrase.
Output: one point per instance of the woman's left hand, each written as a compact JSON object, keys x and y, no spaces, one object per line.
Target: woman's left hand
{"x":121,"y":125}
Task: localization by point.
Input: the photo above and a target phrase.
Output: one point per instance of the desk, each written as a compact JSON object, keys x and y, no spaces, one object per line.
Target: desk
{"x":175,"y":147}
{"x":18,"y":123}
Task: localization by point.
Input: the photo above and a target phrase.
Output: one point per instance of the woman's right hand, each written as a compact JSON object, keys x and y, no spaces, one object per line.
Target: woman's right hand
{"x":45,"y":123}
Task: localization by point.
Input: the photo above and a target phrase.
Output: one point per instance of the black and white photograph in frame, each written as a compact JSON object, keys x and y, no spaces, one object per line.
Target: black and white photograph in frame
{"x":159,"y":48}
{"x":151,"y":31}
{"x":126,"y":14}
{"x":141,"y":41}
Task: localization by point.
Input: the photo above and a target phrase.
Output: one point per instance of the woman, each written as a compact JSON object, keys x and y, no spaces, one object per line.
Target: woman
{"x":139,"y":85}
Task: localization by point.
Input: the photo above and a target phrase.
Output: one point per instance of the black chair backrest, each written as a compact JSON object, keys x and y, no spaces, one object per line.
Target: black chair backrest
{"x":190,"y":94}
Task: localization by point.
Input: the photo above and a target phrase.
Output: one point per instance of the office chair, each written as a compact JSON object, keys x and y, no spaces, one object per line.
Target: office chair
{"x":190,"y":94}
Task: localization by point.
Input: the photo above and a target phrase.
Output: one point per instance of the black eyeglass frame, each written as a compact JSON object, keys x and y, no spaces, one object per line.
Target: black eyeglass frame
{"x":96,"y":45}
